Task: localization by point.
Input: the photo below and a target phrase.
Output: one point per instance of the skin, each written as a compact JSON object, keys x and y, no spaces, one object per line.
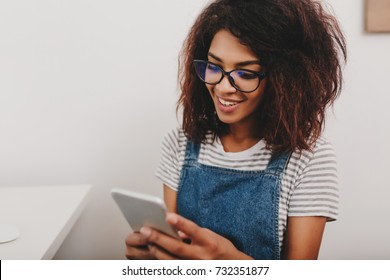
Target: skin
{"x":304,"y":234}
{"x":227,"y":52}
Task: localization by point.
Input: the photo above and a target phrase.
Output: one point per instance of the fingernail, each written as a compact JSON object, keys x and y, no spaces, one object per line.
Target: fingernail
{"x":151,"y":248}
{"x":172,"y":218}
{"x":145,"y":231}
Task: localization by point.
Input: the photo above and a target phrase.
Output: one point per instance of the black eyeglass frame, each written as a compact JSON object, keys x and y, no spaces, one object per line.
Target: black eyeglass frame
{"x":261,"y":75}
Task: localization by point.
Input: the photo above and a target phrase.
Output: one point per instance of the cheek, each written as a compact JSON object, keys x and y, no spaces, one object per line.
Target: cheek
{"x":210,"y":88}
{"x":252,"y":106}
{"x":256,"y":98}
{"x":259,"y":93}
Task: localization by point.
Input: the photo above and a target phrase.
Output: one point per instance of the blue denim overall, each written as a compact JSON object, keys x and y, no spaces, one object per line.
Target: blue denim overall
{"x":242,"y":206}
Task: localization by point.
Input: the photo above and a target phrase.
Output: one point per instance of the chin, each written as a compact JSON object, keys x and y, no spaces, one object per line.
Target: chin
{"x":226,"y":119}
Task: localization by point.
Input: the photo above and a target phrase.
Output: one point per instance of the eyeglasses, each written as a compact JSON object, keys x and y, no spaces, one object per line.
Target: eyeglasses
{"x":241,"y":79}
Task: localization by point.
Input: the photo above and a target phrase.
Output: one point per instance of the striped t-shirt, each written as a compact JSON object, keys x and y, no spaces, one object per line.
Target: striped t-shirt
{"x":309,"y":183}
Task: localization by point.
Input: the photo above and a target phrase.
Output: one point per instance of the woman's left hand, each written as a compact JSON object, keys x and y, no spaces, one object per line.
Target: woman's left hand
{"x":205,"y":244}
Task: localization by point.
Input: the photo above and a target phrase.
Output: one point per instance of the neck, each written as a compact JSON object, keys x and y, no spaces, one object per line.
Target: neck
{"x":241,"y":134}
{"x":241,"y":137}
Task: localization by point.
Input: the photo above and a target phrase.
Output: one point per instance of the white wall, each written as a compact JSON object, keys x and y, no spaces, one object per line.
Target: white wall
{"x":360,"y":131}
{"x":88,"y":89}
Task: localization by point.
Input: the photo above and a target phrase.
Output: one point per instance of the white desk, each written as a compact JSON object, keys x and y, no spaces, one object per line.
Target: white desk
{"x":44,"y":216}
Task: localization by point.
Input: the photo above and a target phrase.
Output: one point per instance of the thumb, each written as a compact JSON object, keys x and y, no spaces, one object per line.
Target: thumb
{"x":187,"y":227}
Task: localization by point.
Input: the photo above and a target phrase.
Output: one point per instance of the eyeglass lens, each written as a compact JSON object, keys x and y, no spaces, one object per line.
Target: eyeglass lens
{"x":212,"y":74}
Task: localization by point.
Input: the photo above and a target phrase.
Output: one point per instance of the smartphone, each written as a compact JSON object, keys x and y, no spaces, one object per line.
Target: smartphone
{"x":142,"y":209}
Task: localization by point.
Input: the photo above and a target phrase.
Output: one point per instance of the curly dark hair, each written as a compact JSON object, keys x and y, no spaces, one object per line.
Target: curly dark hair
{"x":301,"y":46}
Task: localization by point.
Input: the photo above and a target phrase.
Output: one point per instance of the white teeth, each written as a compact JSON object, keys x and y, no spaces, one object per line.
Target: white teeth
{"x":227,"y":103}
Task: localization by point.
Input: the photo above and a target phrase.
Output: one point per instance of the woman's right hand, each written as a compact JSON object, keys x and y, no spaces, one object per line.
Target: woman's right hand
{"x":137,"y":247}
{"x":136,"y":243}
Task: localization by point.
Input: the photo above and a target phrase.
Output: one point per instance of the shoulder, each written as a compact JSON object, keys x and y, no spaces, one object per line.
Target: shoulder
{"x":321,"y":154}
{"x":313,"y":181}
{"x":172,"y":156}
{"x":174,"y":139}
{"x":175,"y":133}
{"x":323,"y":148}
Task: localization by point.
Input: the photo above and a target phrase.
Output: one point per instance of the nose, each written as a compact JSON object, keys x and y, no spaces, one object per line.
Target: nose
{"x":225,"y":86}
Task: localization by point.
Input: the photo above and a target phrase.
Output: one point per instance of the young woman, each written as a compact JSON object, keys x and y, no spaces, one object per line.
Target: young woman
{"x":247,"y":175}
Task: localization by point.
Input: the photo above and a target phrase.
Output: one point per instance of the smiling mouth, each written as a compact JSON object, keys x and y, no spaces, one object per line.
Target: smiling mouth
{"x":228,"y":103}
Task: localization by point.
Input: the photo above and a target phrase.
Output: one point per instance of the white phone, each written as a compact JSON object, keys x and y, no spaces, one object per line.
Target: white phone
{"x":142,"y":209}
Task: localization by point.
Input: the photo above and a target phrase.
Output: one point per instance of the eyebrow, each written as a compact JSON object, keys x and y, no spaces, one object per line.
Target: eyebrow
{"x":240,"y":64}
